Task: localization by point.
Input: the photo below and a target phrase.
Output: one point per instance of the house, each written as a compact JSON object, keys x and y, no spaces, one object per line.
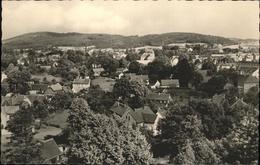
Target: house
{"x":80,"y":84}
{"x":256,"y":73}
{"x":169,"y":83}
{"x":16,"y":100}
{"x":125,"y":112}
{"x":145,"y":117}
{"x":6,"y":114}
{"x":52,"y":89}
{"x":160,"y":98}
{"x":46,"y":77}
{"x":38,"y":88}
{"x":105,"y":83}
{"x":156,"y":85}
{"x":142,"y":79}
{"x":161,"y":114}
{"x":54,"y":57}
{"x":238,"y":103}
{"x":3,"y":76}
{"x":147,"y":57}
{"x":98,"y":71}
{"x":247,"y":68}
{"x":250,"y":82}
{"x":174,"y":60}
{"x":50,"y":152}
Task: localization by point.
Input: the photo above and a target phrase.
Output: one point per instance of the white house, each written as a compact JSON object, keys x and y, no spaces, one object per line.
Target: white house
{"x":80,"y":84}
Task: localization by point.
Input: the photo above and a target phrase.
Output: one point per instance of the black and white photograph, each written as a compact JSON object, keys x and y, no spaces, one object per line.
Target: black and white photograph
{"x":130,"y":82}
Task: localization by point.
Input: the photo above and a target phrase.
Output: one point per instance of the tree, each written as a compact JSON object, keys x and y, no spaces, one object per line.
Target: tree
{"x":158,"y":70}
{"x":184,"y":72}
{"x":22,"y":148}
{"x":242,"y":143}
{"x":98,"y":100}
{"x":197,"y":79}
{"x":214,"y":85}
{"x":130,"y":92}
{"x":18,"y":81}
{"x":108,"y":63}
{"x":98,"y":139}
{"x":39,"y":109}
{"x":209,"y":65}
{"x":60,"y":102}
{"x":134,"y":67}
{"x":252,"y":96}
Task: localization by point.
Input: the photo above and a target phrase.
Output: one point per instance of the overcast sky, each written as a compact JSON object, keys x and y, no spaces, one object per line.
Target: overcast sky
{"x":228,"y":19}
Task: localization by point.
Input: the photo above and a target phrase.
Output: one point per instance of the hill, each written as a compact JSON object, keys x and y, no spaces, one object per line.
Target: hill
{"x":43,"y":39}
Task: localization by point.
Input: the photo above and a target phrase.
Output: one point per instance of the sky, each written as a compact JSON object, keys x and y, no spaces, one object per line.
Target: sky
{"x":236,"y":19}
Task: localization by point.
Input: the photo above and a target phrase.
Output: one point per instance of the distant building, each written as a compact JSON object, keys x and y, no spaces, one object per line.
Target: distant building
{"x":250,"y":82}
{"x":147,"y":57}
{"x":169,"y":83}
{"x":53,"y":89}
{"x":50,"y":152}
{"x":160,"y":98}
{"x":80,"y":84}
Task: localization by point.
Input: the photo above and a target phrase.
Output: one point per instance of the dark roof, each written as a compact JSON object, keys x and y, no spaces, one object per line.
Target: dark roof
{"x":42,"y":87}
{"x":36,"y":97}
{"x":49,"y":150}
{"x":59,"y":119}
{"x":144,"y":115}
{"x":120,"y":109}
{"x":158,"y":96}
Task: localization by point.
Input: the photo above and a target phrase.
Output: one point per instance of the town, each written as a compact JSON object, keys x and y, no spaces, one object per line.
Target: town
{"x":180,"y":103}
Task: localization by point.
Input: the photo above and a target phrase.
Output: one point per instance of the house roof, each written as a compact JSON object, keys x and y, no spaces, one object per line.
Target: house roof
{"x":120,"y":109}
{"x":56,"y":87}
{"x":251,"y":79}
{"x":14,"y":100}
{"x":144,"y":115}
{"x":49,"y":150}
{"x":138,"y":78}
{"x":218,"y":98}
{"x":81,"y":81}
{"x":42,"y":87}
{"x":59,"y":119}
{"x":67,"y":89}
{"x":170,"y":82}
{"x":149,"y":118}
{"x":9,"y":109}
{"x":238,"y":103}
{"x":157,"y":96}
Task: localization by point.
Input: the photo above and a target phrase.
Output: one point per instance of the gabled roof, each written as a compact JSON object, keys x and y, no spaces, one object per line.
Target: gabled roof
{"x":120,"y":109}
{"x":56,"y":87}
{"x":238,"y":103}
{"x":144,"y":115}
{"x":157,"y":96}
{"x":42,"y":87}
{"x":9,"y":109}
{"x":170,"y":82}
{"x":81,"y":81}
{"x":251,"y":79}
{"x":14,"y":100}
{"x":49,"y":150}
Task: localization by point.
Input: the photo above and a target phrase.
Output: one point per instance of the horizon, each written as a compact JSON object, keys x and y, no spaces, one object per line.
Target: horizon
{"x":129,"y":19}
{"x":127,"y":35}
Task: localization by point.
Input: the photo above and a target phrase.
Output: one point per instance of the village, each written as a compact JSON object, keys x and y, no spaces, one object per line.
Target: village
{"x":138,"y":85}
